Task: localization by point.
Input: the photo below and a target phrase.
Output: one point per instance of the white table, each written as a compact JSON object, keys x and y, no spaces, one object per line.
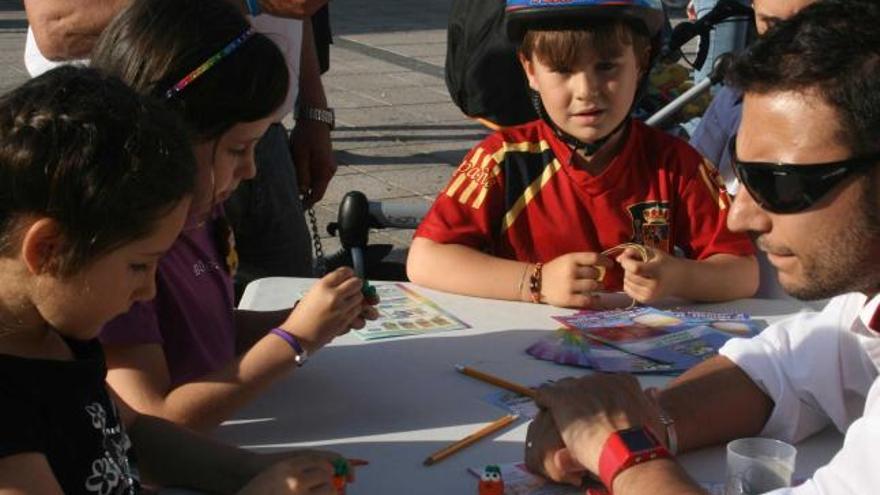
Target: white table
{"x":395,"y":401}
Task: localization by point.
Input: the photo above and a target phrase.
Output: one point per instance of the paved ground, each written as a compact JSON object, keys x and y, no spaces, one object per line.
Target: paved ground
{"x":399,"y":135}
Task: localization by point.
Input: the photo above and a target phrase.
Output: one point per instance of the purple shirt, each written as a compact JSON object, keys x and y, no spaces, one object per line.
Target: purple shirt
{"x":191,"y":316}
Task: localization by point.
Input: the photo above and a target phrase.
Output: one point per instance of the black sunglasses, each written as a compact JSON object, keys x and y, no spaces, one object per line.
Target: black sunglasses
{"x":790,"y":188}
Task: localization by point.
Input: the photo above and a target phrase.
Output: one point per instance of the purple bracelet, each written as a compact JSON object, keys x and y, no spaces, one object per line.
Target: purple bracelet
{"x":301,"y":354}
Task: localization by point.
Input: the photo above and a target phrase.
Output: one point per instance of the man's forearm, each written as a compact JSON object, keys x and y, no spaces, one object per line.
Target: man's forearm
{"x":68,"y":29}
{"x":311,"y":90}
{"x":660,"y":477}
{"x":713,"y":403}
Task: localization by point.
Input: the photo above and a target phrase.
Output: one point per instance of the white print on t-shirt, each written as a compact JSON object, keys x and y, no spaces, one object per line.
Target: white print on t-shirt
{"x":111,"y":474}
{"x":201,"y":267}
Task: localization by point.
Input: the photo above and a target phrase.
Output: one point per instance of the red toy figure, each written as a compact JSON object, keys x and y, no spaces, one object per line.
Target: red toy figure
{"x":341,"y":471}
{"x":491,"y":482}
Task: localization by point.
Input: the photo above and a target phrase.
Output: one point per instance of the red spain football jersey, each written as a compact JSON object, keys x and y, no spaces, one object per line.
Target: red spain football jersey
{"x":518,"y":195}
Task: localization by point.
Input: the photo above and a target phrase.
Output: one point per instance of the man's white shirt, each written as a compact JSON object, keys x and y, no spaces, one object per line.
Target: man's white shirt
{"x":820,"y":369}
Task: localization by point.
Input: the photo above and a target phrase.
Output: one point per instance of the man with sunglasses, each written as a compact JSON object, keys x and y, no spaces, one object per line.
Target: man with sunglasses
{"x":808,"y":156}
{"x":719,"y":122}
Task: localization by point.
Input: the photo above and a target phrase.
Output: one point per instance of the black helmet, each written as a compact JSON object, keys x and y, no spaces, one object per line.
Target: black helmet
{"x":522,"y":14}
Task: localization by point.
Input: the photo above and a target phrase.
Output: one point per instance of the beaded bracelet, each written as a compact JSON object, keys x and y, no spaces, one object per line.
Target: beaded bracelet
{"x":535,"y":283}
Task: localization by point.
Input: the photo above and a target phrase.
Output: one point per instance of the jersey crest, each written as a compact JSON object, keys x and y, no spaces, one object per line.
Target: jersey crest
{"x":650,"y":222}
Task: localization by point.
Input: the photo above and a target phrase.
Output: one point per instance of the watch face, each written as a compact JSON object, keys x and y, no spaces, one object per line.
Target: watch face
{"x":637,"y":439}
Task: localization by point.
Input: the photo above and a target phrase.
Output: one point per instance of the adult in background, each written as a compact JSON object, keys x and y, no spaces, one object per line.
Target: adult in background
{"x":807,"y":154}
{"x":266,"y":213}
{"x":729,"y":36}
{"x":721,"y":119}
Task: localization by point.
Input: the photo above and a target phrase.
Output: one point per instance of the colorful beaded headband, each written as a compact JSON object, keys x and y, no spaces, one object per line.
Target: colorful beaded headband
{"x":211,"y":62}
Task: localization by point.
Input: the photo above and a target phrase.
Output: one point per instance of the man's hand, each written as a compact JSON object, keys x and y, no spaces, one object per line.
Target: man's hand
{"x":297,"y":9}
{"x":547,"y":455}
{"x":313,"y":158}
{"x":588,"y":410}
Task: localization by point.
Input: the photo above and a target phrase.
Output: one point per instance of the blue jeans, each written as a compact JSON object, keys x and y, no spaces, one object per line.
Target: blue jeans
{"x":728,"y":36}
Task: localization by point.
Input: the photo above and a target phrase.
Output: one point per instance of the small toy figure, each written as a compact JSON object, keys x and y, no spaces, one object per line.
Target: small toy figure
{"x":490,"y":481}
{"x":370,"y":294}
{"x":341,"y":470}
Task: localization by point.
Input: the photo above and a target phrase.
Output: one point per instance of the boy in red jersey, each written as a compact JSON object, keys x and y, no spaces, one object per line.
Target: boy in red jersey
{"x":530,"y":210}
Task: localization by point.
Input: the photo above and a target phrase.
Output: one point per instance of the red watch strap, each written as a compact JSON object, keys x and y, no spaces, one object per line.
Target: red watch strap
{"x":616,"y":456}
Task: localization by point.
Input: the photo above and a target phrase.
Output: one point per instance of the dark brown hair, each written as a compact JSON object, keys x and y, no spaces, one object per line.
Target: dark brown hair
{"x":831,"y":48}
{"x":85,"y":150}
{"x":153,"y":44}
{"x":559,"y":45}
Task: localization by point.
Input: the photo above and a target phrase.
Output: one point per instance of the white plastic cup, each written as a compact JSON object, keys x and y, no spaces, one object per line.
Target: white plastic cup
{"x":758,"y":465}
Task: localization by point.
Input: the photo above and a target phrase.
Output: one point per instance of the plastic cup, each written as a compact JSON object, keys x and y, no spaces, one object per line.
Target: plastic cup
{"x":758,"y":465}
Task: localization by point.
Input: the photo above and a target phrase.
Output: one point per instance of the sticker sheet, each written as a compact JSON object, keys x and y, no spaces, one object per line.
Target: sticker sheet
{"x":403,"y":311}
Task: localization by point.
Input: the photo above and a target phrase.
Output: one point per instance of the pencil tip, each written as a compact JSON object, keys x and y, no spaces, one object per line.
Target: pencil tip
{"x":459,"y":367}
{"x":428,"y":462}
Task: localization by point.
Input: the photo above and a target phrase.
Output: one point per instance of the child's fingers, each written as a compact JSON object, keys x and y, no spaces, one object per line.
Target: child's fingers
{"x":640,"y":293}
{"x":639,"y":281}
{"x":316,"y":462}
{"x":369,"y":312}
{"x":337,"y":276}
{"x":636,"y":266}
{"x":314,"y":479}
{"x":594,"y":272}
{"x":599,"y":259}
{"x":348,"y":294}
{"x":585,"y":286}
{"x":583,"y":300}
{"x":325,"y":489}
{"x":587,"y":259}
{"x":351,"y":315}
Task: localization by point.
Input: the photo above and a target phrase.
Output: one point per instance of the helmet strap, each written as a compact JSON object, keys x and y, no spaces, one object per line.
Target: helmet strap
{"x":588,"y":149}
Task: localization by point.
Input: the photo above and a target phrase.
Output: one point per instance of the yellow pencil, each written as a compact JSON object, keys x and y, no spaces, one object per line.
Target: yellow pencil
{"x":494,"y":380}
{"x":470,"y":439}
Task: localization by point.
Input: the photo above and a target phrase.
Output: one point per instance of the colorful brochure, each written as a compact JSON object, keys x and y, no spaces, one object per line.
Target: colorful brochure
{"x":403,"y":311}
{"x":641,"y":340}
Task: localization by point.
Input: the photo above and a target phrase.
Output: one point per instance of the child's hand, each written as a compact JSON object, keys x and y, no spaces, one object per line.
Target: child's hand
{"x":571,"y":280}
{"x":331,"y":308}
{"x":649,"y":281}
{"x":301,"y":474}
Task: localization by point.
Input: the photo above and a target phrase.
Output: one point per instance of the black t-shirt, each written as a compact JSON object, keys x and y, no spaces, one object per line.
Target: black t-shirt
{"x":62,"y":410}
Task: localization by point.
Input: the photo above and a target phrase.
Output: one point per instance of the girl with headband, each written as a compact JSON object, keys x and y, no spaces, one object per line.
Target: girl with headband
{"x":188,"y":355}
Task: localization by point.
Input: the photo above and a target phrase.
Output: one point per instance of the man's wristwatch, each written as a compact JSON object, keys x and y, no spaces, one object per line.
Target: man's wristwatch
{"x":626,"y":448}
{"x":324,"y":115}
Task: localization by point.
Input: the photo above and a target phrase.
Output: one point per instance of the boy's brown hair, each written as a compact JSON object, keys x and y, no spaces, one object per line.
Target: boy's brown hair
{"x":559,"y":46}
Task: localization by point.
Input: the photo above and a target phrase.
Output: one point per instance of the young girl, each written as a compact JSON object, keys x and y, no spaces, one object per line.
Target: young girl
{"x":187,"y":355}
{"x":540,"y":212}
{"x":96,"y":183}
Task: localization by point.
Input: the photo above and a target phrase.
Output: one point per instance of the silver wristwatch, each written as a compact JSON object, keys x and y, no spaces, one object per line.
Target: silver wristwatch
{"x":325,"y":115}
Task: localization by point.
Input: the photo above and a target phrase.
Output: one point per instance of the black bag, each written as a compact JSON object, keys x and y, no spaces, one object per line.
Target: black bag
{"x":483,"y":75}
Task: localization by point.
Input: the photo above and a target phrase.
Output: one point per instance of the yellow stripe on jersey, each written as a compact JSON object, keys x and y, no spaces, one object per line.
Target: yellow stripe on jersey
{"x":482,"y":167}
{"x":523,"y":147}
{"x":462,"y":171}
{"x":487,"y":162}
{"x":529,"y":194}
{"x":714,"y":188}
